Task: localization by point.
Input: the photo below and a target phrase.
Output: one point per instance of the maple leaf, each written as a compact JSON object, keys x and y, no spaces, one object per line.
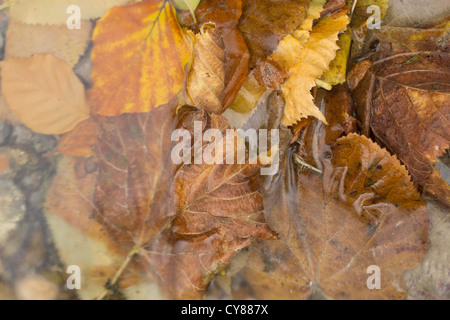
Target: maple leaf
{"x":53,"y":12}
{"x":44,"y":93}
{"x":142,"y":71}
{"x":178,"y":225}
{"x":24,"y":40}
{"x":225,"y":15}
{"x":404,"y":99}
{"x":362,"y":211}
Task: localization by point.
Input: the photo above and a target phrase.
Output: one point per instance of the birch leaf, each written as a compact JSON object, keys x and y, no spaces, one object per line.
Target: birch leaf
{"x":133,"y":69}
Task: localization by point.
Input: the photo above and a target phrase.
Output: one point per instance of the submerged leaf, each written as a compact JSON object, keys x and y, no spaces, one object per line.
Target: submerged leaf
{"x":404,"y":99}
{"x":45,"y":93}
{"x":362,"y":211}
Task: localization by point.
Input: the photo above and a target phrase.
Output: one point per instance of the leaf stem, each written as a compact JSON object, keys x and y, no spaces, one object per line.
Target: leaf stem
{"x":119,"y":272}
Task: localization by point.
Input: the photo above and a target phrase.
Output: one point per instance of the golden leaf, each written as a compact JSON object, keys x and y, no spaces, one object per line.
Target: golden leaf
{"x":313,"y":61}
{"x":138,"y":59}
{"x":45,"y":93}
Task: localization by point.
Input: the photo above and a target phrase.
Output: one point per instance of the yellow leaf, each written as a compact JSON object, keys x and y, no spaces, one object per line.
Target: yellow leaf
{"x":338,"y":67}
{"x":139,"y":58}
{"x":24,"y":40}
{"x":54,"y":12}
{"x":44,"y":93}
{"x":284,"y":57}
{"x":313,"y":61}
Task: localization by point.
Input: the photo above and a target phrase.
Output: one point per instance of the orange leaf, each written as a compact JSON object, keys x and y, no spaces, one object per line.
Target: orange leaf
{"x":80,"y":141}
{"x":139,"y":56}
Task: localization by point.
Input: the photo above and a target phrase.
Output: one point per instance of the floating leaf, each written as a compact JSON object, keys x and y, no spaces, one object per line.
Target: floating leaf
{"x":206,"y":80}
{"x":313,"y":61}
{"x":133,"y":69}
{"x":225,"y":15}
{"x":44,"y":93}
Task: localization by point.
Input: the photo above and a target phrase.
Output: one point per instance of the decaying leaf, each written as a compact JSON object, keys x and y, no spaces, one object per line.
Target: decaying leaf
{"x":24,"y":40}
{"x":404,"y":98}
{"x":361,"y":211}
{"x":206,"y":80}
{"x":54,"y":12}
{"x":313,"y":61}
{"x":179,"y":233}
{"x":44,"y":93}
{"x":133,"y":71}
{"x":225,"y":15}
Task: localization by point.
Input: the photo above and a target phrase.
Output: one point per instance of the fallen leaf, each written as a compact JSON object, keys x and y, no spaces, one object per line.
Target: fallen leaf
{"x":24,"y":40}
{"x":178,"y":225}
{"x":361,"y":211}
{"x":54,"y":12}
{"x":142,"y":72}
{"x":80,"y":141}
{"x":338,"y":67}
{"x":404,"y":99}
{"x":264,"y":23}
{"x":44,"y":93}
{"x":206,"y":80}
{"x":225,"y":15}
{"x":313,"y":61}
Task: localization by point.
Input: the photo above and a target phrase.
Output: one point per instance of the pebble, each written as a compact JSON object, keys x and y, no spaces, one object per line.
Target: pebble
{"x":32,"y":181}
{"x":5,"y":131}
{"x":12,"y":204}
{"x":43,"y":143}
{"x":21,"y":136}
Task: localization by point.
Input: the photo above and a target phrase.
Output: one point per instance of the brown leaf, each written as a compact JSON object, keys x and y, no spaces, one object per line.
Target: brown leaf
{"x":44,"y":93}
{"x":404,"y":99}
{"x":206,"y":80}
{"x":179,"y":225}
{"x":225,"y":15}
{"x":362,"y":211}
{"x":80,"y":141}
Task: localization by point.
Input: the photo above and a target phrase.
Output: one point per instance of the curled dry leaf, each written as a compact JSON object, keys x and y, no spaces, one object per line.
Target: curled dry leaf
{"x":53,"y":12}
{"x":404,"y":99}
{"x":179,"y":226}
{"x":264,"y":23}
{"x":362,"y":211}
{"x":225,"y":15}
{"x":206,"y":80}
{"x":140,"y":73}
{"x":44,"y":93}
{"x":24,"y":40}
{"x":313,"y":61}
